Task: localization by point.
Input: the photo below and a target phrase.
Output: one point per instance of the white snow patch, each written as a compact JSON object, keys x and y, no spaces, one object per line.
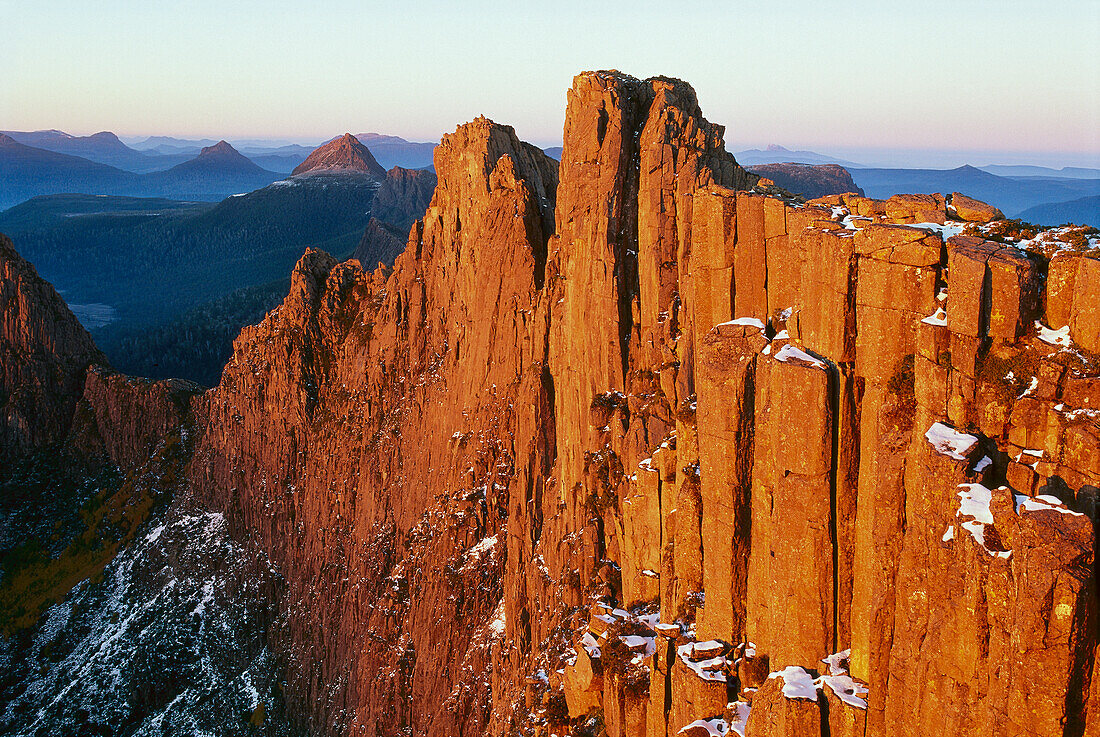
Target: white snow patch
{"x":1043,"y":503}
{"x":949,"y":534}
{"x":950,"y":442}
{"x":947,"y":230}
{"x":847,"y":689}
{"x":939,"y":317}
{"x":974,"y":503}
{"x":709,"y":669}
{"x":642,"y":646}
{"x":1054,"y":337}
{"x":499,"y":620}
{"x":1033,"y":457}
{"x":1076,"y":414}
{"x":836,"y":662}
{"x":983,"y":464}
{"x":207,"y":598}
{"x":797,"y":683}
{"x":741,"y":710}
{"x":789,"y":351}
{"x":715,"y":727}
{"x":750,"y":322}
{"x":484,"y":545}
{"x":588,"y":642}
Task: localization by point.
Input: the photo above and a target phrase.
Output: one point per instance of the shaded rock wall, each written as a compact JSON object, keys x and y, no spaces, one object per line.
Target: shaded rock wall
{"x":44,"y":352}
{"x":403,"y":196}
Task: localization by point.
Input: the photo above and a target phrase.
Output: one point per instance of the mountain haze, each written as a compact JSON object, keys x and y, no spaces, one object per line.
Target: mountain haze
{"x":104,"y":148}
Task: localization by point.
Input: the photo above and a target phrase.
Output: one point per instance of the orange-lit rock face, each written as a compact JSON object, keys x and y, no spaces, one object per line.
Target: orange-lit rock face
{"x":373,"y":432}
{"x":629,"y":377}
{"x":632,"y":437}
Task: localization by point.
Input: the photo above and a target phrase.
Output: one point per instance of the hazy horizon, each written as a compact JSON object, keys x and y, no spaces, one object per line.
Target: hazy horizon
{"x":868,"y":157}
{"x":937,"y":85}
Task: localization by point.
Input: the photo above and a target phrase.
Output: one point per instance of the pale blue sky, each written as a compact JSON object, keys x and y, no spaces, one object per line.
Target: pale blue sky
{"x":1003,"y":76}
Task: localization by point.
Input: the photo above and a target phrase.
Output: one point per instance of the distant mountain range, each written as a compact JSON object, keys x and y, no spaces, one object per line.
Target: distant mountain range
{"x":1013,"y":195}
{"x":52,"y":161}
{"x":392,"y":151}
{"x":216,"y":172}
{"x":1066,"y":172}
{"x":1083,"y":211}
{"x":102,"y":148}
{"x":774,"y":154}
{"x":26,"y":171}
{"x":168,"y":144}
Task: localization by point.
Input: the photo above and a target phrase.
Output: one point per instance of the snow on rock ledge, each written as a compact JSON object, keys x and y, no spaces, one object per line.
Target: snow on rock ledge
{"x":715,"y":727}
{"x":797,"y":683}
{"x":950,"y":442}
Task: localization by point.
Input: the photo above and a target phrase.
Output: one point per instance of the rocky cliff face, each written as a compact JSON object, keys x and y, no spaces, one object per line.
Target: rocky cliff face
{"x":381,"y":244}
{"x":639,"y":448}
{"x":368,"y":433}
{"x":44,"y":352}
{"x":809,"y":180}
{"x":123,"y":608}
{"x":403,"y":196}
{"x":634,"y":445}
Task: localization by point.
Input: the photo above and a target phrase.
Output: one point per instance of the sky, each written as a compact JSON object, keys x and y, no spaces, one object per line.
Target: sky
{"x":1011,"y":81}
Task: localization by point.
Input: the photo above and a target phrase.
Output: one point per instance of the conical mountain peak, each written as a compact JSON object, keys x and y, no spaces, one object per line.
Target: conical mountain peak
{"x":345,"y":153}
{"x":221,"y":148}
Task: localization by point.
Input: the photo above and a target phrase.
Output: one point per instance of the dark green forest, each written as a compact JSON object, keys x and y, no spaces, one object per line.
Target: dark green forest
{"x":183,"y":278}
{"x":194,"y":345}
{"x":153,"y":264}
